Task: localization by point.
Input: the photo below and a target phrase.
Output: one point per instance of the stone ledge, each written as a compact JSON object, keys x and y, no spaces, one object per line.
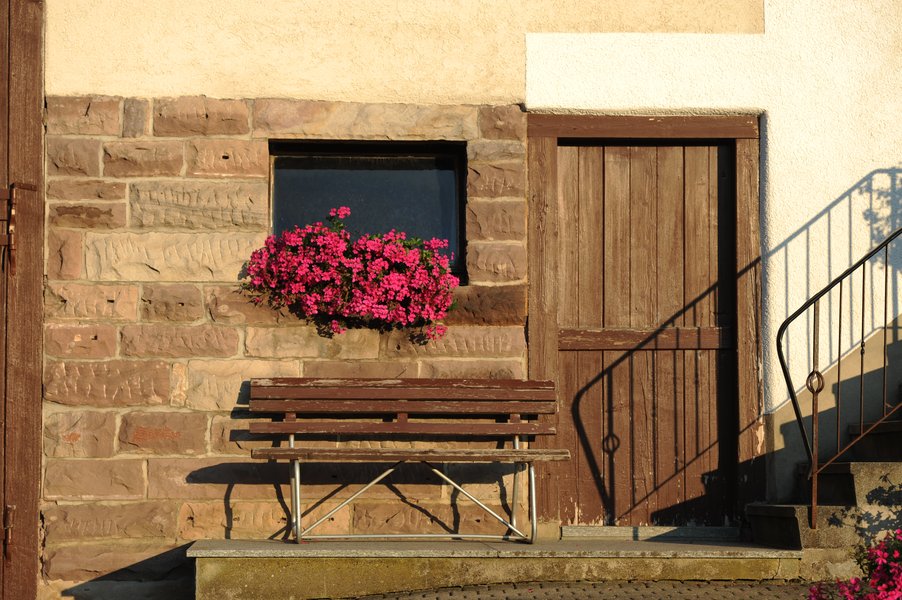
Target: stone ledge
{"x":459,"y":549}
{"x":322,"y":570}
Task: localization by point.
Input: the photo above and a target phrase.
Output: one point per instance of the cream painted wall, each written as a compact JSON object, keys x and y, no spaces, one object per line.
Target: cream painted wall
{"x":827,"y":76}
{"x":461,"y":51}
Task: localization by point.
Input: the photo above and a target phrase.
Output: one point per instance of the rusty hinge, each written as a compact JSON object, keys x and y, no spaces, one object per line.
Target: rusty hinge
{"x":9,"y":198}
{"x":8,"y":527}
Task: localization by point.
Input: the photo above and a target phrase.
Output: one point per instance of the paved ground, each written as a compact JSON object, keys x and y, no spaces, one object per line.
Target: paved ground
{"x":614,"y":590}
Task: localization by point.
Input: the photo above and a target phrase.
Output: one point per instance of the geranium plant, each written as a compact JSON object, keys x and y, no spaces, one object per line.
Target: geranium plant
{"x":882,"y":568}
{"x":383,"y":281}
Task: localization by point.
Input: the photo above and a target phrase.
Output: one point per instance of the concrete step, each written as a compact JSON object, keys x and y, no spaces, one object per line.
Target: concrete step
{"x":787,"y":526}
{"x":653,"y":533}
{"x":882,"y":444}
{"x":854,"y":483}
{"x":253,"y":570}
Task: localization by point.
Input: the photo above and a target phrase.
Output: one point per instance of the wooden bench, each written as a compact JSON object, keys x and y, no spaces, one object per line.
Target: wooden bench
{"x":431,"y":412}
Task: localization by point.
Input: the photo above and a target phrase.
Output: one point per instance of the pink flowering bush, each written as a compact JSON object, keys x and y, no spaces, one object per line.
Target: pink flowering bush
{"x":383,"y":281}
{"x":882,"y":566}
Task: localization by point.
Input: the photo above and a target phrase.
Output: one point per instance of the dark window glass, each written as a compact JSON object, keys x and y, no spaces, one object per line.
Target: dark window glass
{"x":407,"y":187}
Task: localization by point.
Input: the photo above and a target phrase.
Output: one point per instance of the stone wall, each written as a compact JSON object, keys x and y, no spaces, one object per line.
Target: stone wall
{"x":153,"y":205}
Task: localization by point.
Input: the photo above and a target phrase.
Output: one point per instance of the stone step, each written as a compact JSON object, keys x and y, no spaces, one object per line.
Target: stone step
{"x":854,"y":483}
{"x":787,"y":526}
{"x":882,"y":444}
{"x":660,"y":533}
{"x":250,"y":570}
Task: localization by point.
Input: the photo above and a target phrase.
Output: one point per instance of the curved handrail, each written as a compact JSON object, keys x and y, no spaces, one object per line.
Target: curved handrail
{"x":811,"y":442}
{"x":782,"y":330}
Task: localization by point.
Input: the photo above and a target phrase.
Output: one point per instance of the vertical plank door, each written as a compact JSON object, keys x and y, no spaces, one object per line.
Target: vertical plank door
{"x":646,"y":313}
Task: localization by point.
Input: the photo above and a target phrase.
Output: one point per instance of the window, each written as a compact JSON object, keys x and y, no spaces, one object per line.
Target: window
{"x":413,"y":187}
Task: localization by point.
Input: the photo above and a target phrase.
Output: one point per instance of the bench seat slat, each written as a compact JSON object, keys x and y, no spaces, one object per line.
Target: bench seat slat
{"x":441,"y":407}
{"x":442,"y":384}
{"x":398,"y":454}
{"x":404,"y":428}
{"x":386,"y":393}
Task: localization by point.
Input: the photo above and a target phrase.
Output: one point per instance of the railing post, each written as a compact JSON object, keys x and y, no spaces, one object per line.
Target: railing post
{"x":815,"y":383}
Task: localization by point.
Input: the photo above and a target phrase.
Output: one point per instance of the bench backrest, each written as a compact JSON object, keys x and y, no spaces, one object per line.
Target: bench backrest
{"x":404,"y":407}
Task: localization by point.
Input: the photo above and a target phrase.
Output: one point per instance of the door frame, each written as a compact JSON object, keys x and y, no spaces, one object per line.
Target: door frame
{"x":544,"y":132}
{"x":22,"y":161}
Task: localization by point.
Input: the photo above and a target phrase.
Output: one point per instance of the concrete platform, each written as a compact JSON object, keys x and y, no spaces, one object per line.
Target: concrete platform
{"x":246,"y":570}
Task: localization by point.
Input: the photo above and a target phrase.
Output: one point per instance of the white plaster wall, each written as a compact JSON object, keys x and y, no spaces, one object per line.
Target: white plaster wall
{"x":827,"y":76}
{"x":452,"y":51}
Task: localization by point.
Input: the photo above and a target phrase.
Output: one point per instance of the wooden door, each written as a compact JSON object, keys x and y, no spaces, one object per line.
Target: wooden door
{"x":646,"y":315}
{"x":21,"y":267}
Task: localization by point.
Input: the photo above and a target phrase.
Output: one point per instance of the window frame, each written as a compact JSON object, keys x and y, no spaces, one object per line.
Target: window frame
{"x":456,"y":151}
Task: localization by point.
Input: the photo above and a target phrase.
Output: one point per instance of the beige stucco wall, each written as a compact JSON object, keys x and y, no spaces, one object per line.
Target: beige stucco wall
{"x":463,"y":51}
{"x":825,"y":76}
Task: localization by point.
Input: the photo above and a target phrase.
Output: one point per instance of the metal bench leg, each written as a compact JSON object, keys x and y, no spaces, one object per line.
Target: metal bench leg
{"x":532,"y":504}
{"x":474,"y":499}
{"x":296,"y":499}
{"x":516,"y":489}
{"x":347,"y":501}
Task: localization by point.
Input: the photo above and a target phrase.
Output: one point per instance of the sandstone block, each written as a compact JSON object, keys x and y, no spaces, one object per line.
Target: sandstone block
{"x":73,"y":156}
{"x":496,"y":219}
{"x":349,"y":120}
{"x":244,"y":479}
{"x":80,"y":341}
{"x":65,"y":254}
{"x":143,"y":159}
{"x":175,"y":257}
{"x":79,"y":434}
{"x":304,"y":342}
{"x":178,"y":382}
{"x":84,"y":301}
{"x":175,"y":341}
{"x":139,"y":560}
{"x":163,"y":433}
{"x":108,"y":215}
{"x":200,"y":205}
{"x":230,"y":435}
{"x":502,"y":122}
{"x":463,"y":341}
{"x":135,"y":118}
{"x":228,"y":158}
{"x":227,"y":305}
{"x":199,"y":115}
{"x":496,"y":262}
{"x":121,"y":520}
{"x":359,"y":368}
{"x":85,"y":189}
{"x":250,"y":520}
{"x":488,"y":305}
{"x":424,"y":518}
{"x":83,"y":115}
{"x":107,"y":383}
{"x":177,"y":588}
{"x":474,"y":369}
{"x":496,"y":150}
{"x":214,"y":478}
{"x":223,"y":384}
{"x":177,"y":302}
{"x":497,"y":179}
{"x":86,"y":479}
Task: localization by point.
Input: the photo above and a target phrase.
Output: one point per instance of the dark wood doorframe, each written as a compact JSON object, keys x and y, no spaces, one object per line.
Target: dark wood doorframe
{"x":544,"y":131}
{"x":22,"y":163}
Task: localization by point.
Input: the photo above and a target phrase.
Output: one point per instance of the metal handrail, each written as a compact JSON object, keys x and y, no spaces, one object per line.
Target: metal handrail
{"x":815,"y":380}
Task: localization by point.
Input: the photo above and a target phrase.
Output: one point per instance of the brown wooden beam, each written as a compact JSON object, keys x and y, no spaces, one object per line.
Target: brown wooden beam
{"x":640,"y":127}
{"x":670,"y":338}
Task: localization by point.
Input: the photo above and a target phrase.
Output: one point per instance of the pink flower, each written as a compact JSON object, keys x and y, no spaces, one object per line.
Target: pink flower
{"x":381,"y":281}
